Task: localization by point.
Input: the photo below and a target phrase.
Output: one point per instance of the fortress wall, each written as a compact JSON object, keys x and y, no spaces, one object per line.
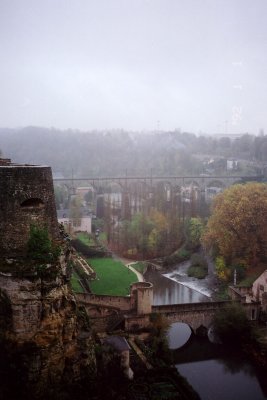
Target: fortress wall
{"x":120,"y":302}
{"x":26,"y":197}
{"x":137,"y":322}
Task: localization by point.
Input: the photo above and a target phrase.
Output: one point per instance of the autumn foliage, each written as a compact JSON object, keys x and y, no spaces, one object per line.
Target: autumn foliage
{"x":237,"y":228}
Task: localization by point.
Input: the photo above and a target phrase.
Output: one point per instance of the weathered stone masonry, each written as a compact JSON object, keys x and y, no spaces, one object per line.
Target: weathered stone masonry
{"x":44,"y":338}
{"x":26,"y":197}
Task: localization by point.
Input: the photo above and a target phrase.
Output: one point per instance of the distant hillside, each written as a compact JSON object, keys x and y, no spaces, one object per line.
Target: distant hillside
{"x":99,"y":153}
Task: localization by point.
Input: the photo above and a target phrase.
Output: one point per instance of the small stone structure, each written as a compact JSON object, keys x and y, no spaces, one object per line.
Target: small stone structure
{"x":240,"y":293}
{"x":259,"y":290}
{"x":257,"y":293}
{"x":26,"y":198}
{"x":121,"y":346}
{"x":142,"y":296}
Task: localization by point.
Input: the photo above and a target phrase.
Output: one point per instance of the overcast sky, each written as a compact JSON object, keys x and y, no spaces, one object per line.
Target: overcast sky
{"x":197,"y":65}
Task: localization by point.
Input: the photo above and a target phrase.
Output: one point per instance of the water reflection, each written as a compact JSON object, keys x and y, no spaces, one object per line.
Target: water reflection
{"x":204,"y":286}
{"x":178,"y":334}
{"x":212,"y":373}
{"x":213,"y":379}
{"x":218,"y":373}
{"x":167,"y":291}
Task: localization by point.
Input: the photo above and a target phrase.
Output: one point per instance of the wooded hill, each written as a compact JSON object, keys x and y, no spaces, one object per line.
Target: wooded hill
{"x":107,"y":153}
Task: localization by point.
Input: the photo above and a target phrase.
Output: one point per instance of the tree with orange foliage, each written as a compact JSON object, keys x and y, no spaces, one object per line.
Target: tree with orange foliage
{"x":237,"y":228}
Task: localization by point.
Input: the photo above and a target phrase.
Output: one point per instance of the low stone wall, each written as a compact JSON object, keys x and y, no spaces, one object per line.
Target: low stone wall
{"x":121,"y":302}
{"x":136,"y":322}
{"x":189,"y":307}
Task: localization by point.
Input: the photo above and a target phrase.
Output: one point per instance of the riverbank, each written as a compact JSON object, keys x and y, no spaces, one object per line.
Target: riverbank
{"x":130,"y":265}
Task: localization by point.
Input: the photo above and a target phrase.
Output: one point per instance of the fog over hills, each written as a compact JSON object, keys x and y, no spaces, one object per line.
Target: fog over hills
{"x":107,"y":153}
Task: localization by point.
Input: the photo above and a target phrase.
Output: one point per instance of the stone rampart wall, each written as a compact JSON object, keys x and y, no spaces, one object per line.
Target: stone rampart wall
{"x":121,"y":302}
{"x":137,"y":322}
{"x":26,"y":197}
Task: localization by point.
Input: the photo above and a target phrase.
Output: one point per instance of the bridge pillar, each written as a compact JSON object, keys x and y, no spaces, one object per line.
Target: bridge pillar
{"x":142,"y":296}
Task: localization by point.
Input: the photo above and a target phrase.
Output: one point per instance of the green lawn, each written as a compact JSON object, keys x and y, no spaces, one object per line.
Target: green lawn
{"x":139,"y":266}
{"x":75,"y":283}
{"x":114,"y":278}
{"x":86,"y":239}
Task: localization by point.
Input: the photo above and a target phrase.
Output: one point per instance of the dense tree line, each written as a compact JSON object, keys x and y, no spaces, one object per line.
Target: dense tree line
{"x":147,"y":235}
{"x":236,"y":232}
{"x":98,"y":153}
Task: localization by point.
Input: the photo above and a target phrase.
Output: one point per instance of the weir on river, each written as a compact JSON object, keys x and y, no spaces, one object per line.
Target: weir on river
{"x":214,"y":372}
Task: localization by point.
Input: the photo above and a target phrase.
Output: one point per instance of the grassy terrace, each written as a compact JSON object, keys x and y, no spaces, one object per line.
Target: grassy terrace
{"x":113,"y":277}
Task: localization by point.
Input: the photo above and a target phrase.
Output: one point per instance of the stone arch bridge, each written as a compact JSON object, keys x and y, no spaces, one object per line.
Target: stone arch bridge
{"x":150,"y":182}
{"x":134,"y":311}
{"x":131,"y":194}
{"x":200,"y":315}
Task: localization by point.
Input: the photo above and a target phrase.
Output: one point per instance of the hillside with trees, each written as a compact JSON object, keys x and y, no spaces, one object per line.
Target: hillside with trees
{"x":236,"y":232}
{"x":100,"y":153}
{"x":158,"y":229}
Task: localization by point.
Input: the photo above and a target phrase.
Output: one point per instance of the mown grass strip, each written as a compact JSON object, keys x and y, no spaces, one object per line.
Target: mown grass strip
{"x":113,"y":277}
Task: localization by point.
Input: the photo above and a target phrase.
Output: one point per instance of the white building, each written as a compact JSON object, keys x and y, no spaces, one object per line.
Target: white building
{"x":259,"y":287}
{"x":83,"y":224}
{"x":231,"y":164}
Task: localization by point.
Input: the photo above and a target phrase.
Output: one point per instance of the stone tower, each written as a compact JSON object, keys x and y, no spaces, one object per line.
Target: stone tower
{"x":26,"y":198}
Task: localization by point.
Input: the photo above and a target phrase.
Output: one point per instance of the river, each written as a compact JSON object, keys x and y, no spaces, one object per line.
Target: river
{"x":213,"y":373}
{"x":176,"y":287}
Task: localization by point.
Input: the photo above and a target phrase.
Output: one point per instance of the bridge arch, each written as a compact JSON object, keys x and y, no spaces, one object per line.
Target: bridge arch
{"x":178,"y":335}
{"x":193,"y":183}
{"x":216,"y":183}
{"x":199,"y":322}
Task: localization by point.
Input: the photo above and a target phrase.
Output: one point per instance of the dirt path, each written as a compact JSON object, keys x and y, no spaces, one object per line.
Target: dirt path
{"x":138,"y":274}
{"x":129,"y":264}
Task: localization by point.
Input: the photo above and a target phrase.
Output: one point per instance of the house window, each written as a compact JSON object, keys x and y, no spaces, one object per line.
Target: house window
{"x":262,"y":288}
{"x":253,"y":314}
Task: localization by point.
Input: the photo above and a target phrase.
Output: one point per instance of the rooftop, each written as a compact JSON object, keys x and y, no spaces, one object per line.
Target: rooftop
{"x":7,"y":163}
